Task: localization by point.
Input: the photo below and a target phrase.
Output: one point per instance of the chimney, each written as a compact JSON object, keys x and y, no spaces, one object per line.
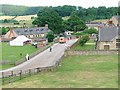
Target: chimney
{"x":46,"y":25}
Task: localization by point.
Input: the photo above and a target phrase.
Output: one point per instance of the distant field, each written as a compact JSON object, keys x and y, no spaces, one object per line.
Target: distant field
{"x":28,"y":24}
{"x":66,"y":18}
{"x":18,"y":18}
{"x":27,"y":17}
{"x":22,"y":19}
{"x":101,"y":20}
{"x":6,"y":17}
{"x":97,"y":71}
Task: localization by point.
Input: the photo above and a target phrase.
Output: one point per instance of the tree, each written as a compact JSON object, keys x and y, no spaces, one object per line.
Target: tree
{"x":84,"y":39}
{"x":50,"y":37}
{"x":90,"y":31}
{"x":74,"y":23}
{"x":3,"y":31}
{"x":50,"y":17}
{"x":6,"y":21}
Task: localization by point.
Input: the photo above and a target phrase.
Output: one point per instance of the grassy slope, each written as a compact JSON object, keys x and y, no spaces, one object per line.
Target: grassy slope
{"x":76,"y":72}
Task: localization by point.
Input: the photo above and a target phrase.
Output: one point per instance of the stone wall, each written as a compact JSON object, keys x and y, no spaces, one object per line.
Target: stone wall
{"x":94,"y":52}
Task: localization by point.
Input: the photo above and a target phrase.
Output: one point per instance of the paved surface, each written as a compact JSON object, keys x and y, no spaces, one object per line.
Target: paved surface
{"x":44,"y":59}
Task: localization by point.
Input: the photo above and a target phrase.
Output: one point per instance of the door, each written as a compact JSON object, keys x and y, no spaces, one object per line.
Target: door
{"x":106,"y":47}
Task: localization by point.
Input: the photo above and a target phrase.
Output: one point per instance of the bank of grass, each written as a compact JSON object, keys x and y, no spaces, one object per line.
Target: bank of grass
{"x":97,"y":71}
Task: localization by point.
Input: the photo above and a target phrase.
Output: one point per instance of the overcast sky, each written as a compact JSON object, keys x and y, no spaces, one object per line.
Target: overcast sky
{"x":83,"y":3}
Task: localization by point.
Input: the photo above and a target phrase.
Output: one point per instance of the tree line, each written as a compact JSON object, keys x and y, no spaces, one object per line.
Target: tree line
{"x":88,"y":14}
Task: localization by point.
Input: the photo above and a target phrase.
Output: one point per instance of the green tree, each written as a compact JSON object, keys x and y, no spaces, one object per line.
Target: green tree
{"x":90,"y":31}
{"x":50,"y":17}
{"x":4,"y":30}
{"x":74,"y":23}
{"x":84,"y":39}
{"x":50,"y":36}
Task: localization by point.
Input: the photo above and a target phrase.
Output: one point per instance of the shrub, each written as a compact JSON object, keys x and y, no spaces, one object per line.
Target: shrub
{"x":84,"y":39}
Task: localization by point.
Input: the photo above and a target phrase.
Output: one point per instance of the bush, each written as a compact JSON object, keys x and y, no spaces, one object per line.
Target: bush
{"x":84,"y":39}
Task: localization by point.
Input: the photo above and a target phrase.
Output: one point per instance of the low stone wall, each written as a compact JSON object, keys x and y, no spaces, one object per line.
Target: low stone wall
{"x":94,"y":52}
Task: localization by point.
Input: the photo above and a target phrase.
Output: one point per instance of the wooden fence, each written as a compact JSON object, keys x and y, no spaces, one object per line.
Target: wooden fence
{"x":12,"y":76}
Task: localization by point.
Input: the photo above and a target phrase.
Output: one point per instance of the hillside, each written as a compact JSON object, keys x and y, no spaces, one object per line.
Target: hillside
{"x":88,"y":14}
{"x":13,"y":10}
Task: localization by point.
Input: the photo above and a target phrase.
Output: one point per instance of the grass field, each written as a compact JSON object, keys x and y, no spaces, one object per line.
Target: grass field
{"x":18,"y":18}
{"x":87,"y":46}
{"x":13,"y":52}
{"x":98,"y":71}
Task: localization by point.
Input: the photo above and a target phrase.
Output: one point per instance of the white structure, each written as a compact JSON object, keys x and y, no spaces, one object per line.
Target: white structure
{"x":19,"y":41}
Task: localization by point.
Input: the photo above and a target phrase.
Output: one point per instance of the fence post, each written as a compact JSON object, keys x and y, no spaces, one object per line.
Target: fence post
{"x":11,"y":73}
{"x":29,"y":72}
{"x":3,"y":78}
{"x":9,"y":79}
{"x":37,"y":69}
{"x":20,"y":74}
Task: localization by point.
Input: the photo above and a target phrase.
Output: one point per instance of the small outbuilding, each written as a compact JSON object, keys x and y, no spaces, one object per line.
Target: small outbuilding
{"x":20,"y":41}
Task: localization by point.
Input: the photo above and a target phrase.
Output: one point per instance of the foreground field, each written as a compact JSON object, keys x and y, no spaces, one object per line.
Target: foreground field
{"x":99,"y":71}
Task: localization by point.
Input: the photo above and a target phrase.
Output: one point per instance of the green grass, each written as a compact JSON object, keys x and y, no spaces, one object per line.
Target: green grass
{"x":91,"y":41}
{"x":85,"y":47}
{"x":2,"y":67}
{"x":13,"y":52}
{"x":90,"y":45}
{"x":97,"y":71}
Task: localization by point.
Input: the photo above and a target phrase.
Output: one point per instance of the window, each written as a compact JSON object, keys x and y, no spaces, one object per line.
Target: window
{"x":117,"y":43}
{"x":31,"y":30}
{"x":118,"y":40}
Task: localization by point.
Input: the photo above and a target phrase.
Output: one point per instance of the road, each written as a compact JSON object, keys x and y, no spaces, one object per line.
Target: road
{"x":43,"y":59}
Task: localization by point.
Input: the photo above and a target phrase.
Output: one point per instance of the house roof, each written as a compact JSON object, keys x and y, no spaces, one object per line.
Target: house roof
{"x":94,"y":24}
{"x":30,"y":31}
{"x":108,"y":33}
{"x":116,"y":17}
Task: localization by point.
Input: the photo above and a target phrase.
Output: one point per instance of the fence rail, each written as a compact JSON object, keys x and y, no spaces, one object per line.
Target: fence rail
{"x":13,"y":76}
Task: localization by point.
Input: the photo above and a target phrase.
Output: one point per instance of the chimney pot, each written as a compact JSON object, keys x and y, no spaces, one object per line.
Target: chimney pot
{"x":46,"y":25}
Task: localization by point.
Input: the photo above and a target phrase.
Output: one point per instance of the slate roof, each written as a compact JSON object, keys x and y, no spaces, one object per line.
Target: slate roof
{"x":94,"y":24}
{"x":31,"y":31}
{"x":116,"y":17}
{"x":108,"y":33}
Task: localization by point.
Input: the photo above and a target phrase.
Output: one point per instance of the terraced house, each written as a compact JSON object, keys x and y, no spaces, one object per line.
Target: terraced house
{"x":37,"y":32}
{"x":108,"y":38}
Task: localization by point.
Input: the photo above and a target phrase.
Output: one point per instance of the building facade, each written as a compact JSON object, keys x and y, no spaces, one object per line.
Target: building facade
{"x":108,"y":38}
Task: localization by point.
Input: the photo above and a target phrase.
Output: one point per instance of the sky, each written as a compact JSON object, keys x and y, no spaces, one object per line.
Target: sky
{"x":83,"y":3}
